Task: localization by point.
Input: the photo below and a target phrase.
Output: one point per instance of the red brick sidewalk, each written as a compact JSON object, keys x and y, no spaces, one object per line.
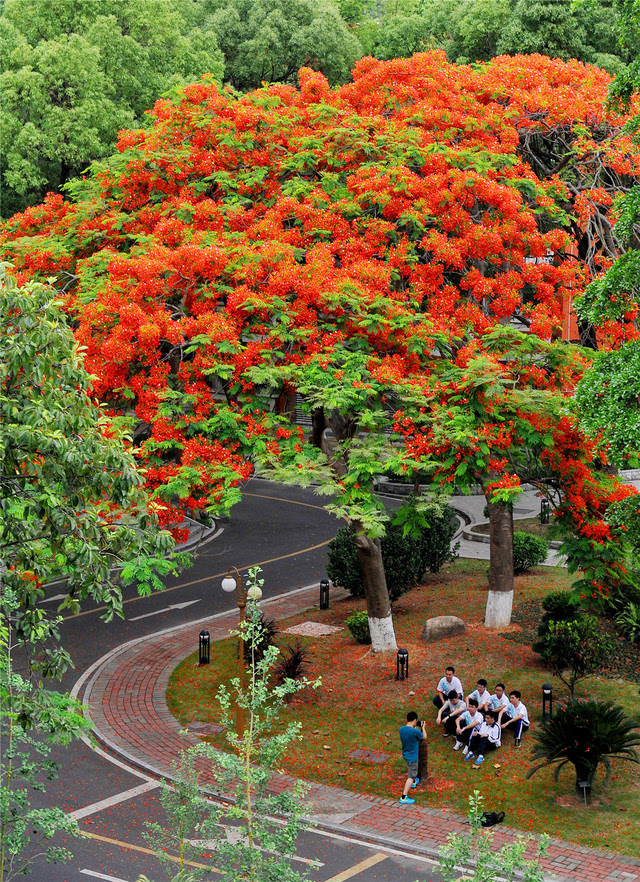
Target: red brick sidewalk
{"x":125,"y":700}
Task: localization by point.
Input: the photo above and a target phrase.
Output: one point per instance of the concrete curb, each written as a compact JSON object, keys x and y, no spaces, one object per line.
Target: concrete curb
{"x":470,"y":536}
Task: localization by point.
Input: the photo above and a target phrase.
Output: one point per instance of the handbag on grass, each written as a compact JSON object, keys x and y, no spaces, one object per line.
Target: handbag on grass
{"x":490,"y":819}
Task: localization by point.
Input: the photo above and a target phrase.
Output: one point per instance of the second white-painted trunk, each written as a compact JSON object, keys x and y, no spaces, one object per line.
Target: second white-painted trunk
{"x":383,"y":636}
{"x":498,"y":612}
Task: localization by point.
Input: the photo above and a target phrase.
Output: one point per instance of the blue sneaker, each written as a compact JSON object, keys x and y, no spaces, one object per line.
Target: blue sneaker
{"x":406,"y":800}
{"x":469,"y":756}
{"x":479,"y":760}
{"x":416,"y":781}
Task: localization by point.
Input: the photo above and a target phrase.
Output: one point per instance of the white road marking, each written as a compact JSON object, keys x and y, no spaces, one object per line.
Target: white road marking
{"x":97,"y":875}
{"x":114,"y":800}
{"x":235,"y":835}
{"x":54,"y":597}
{"x":158,"y":612}
{"x":373,"y":845}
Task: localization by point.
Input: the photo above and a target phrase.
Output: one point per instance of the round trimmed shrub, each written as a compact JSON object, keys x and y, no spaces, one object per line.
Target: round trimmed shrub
{"x":358,"y":625}
{"x":528,"y":551}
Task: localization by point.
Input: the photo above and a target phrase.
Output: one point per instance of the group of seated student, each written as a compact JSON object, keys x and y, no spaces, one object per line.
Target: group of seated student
{"x":478,"y":722}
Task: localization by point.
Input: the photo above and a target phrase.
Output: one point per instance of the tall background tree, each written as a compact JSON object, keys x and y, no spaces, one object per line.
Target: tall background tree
{"x":75,"y":72}
{"x":270,"y":40}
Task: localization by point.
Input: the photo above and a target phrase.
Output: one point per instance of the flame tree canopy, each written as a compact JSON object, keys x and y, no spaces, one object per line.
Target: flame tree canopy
{"x":348,"y":245}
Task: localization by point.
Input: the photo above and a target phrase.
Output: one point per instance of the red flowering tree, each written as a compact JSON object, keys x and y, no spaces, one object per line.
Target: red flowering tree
{"x":342,"y":245}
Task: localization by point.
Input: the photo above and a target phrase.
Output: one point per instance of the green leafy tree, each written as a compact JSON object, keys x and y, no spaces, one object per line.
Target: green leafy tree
{"x":478,"y":30}
{"x":467,"y":31}
{"x":489,"y":862}
{"x":584,"y":734}
{"x":71,"y":497}
{"x":400,"y":36}
{"x":71,"y":505}
{"x":270,"y":40}
{"x":75,"y":72}
{"x":548,"y":27}
{"x":254,"y":837}
{"x":608,"y":397}
{"x":574,"y":649}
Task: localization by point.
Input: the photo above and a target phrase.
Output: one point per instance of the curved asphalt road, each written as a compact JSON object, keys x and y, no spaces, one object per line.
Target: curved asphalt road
{"x":285,"y":531}
{"x":282,"y":529}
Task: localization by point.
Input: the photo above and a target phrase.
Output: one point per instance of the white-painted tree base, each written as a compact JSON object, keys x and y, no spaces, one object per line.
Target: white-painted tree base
{"x":498,"y":612}
{"x":383,"y":637}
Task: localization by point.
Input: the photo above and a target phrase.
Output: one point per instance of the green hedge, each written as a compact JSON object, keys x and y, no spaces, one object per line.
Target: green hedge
{"x":405,"y":558}
{"x":528,"y":551}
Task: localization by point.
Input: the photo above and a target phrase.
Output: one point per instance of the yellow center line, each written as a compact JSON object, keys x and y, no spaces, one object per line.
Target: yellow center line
{"x":290,"y":501}
{"x":131,"y":847}
{"x":260,"y":563}
{"x":359,"y":868}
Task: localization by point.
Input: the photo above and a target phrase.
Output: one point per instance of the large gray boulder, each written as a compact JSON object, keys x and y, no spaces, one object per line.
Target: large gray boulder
{"x":440,"y":627}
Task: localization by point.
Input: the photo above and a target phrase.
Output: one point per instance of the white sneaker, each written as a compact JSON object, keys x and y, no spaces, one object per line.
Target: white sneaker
{"x":457,"y":745}
{"x":465,"y":751}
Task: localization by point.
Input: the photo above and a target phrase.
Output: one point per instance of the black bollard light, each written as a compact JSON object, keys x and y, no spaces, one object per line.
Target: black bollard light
{"x":324,"y":594}
{"x":547,"y":700}
{"x":402,"y":664}
{"x":545,"y":511}
{"x":204,"y":648}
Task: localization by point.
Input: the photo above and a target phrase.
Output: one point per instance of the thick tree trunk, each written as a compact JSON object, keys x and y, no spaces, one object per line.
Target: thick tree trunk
{"x":383,"y":637}
{"x":500,"y":599}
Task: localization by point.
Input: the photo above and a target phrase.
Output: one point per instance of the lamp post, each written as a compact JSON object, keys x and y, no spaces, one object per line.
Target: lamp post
{"x":204,"y":648}
{"x":547,"y":700}
{"x":324,"y":594}
{"x":545,"y":511}
{"x":229,"y":585}
{"x":402,"y":664}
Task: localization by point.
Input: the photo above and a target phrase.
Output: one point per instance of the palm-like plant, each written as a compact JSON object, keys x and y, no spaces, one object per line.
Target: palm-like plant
{"x":585,"y":734}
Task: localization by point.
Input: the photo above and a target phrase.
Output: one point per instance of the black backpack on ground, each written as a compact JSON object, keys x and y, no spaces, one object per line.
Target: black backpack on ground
{"x":490,"y":819}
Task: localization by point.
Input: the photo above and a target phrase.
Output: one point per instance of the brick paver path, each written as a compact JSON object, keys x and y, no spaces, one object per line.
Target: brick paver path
{"x":125,"y":700}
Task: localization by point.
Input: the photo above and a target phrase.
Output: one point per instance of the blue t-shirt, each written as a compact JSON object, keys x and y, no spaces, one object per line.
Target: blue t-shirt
{"x":410,"y":738}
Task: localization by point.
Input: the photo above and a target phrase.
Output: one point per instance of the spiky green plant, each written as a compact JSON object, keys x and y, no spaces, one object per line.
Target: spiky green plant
{"x":586,"y":734}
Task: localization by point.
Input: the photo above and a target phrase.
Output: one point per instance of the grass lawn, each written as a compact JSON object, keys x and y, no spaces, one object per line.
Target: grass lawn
{"x":524,"y":525}
{"x":360,"y":705}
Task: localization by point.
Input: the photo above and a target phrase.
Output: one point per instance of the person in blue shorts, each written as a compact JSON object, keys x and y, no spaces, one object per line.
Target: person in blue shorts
{"x":410,"y":737}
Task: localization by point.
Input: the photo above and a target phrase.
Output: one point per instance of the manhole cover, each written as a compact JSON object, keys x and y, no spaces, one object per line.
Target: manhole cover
{"x":312,"y":629}
{"x":200,"y":728}
{"x":368,"y":756}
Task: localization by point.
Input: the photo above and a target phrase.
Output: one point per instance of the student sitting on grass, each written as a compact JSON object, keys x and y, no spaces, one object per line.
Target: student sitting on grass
{"x":515,"y":715}
{"x":449,"y":712}
{"x":499,"y":699}
{"x":467,"y":723}
{"x":486,"y":738}
{"x":481,"y":695}
{"x":447,"y":685}
{"x":410,"y":738}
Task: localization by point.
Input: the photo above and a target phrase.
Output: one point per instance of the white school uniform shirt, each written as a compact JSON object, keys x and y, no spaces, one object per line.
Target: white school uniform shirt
{"x":492,"y":731}
{"x":519,"y":711}
{"x":498,"y":703}
{"x":454,"y":686}
{"x":482,"y":699}
{"x":466,"y":720}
